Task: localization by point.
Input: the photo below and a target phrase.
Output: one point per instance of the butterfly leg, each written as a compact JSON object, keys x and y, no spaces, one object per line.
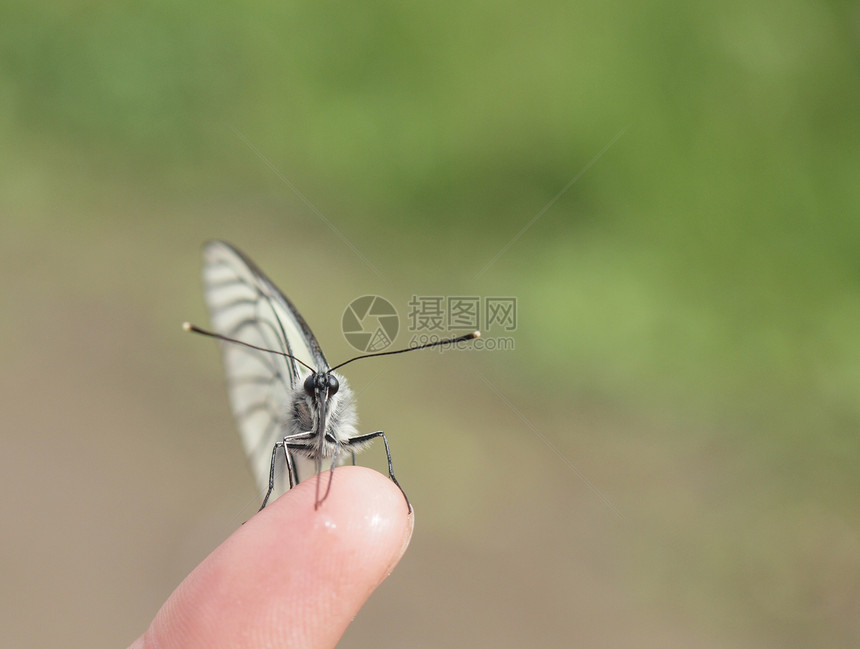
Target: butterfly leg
{"x":330,"y":475}
{"x":294,"y":478}
{"x":360,"y":439}
{"x":272,"y":472}
{"x":288,"y":457}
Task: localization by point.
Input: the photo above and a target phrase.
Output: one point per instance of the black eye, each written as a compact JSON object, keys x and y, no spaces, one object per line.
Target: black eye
{"x":309,"y":384}
{"x":333,"y":385}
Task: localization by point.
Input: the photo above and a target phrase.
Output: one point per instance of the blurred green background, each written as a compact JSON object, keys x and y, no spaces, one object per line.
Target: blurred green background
{"x":689,"y":307}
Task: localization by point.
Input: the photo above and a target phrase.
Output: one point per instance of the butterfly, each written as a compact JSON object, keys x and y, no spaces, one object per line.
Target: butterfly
{"x":287,"y":400}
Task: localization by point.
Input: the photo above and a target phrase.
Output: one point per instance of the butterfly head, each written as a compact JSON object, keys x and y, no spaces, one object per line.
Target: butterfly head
{"x":324,"y":404}
{"x":321,"y":383}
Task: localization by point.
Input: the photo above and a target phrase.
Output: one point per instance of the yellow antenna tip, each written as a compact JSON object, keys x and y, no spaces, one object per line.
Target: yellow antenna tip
{"x":187,"y":326}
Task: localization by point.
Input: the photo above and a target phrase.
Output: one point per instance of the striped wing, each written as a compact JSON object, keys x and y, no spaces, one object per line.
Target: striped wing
{"x":244,"y":304}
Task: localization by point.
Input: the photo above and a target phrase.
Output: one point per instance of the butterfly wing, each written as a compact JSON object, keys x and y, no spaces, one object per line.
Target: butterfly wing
{"x":244,"y":304}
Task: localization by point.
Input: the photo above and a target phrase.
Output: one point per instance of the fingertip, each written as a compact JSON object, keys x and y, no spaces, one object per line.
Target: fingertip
{"x":293,"y":575}
{"x":364,"y":515}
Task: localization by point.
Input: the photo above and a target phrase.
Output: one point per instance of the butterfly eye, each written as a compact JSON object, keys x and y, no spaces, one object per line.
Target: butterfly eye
{"x":333,"y":385}
{"x":310,"y":382}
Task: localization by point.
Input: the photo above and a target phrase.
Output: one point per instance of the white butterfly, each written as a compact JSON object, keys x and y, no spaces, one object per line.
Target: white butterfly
{"x":283,"y":393}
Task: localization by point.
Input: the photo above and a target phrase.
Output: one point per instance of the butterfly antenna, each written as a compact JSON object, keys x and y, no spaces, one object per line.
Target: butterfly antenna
{"x":447,"y":341}
{"x":187,"y":326}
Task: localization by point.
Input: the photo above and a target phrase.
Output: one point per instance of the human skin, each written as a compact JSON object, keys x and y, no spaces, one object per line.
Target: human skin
{"x":291,"y":576}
